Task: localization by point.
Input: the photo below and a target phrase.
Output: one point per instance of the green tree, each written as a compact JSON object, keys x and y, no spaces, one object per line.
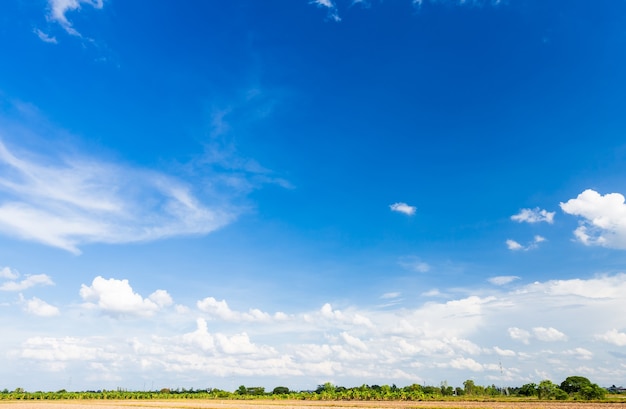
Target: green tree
{"x":590,"y":392}
{"x":547,"y":390}
{"x":280,"y":390}
{"x":529,"y":389}
{"x":469,"y":387}
{"x":573,"y":384}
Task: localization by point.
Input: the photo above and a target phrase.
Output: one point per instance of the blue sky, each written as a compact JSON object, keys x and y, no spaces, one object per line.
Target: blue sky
{"x":294,"y":192}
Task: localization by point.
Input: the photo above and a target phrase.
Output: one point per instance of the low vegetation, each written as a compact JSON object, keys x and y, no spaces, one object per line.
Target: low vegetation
{"x":572,"y":388}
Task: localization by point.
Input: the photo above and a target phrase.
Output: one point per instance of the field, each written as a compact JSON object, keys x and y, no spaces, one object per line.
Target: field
{"x":298,"y":404}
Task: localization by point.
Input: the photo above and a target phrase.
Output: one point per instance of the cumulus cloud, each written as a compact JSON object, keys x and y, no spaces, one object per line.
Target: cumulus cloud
{"x":404,"y":208}
{"x":502,"y":280}
{"x":117,"y":298}
{"x":519,"y":334}
{"x":535,"y":215}
{"x":515,"y":246}
{"x":504,"y":352}
{"x":549,"y":334}
{"x":603,"y":218}
{"x":64,"y":202}
{"x":353,"y":341}
{"x":28,"y":282}
{"x":39,"y":307}
{"x":58,"y":10}
{"x":61,"y":350}
{"x":7,"y":272}
{"x":220,"y":310}
{"x":446,"y":339}
{"x":579,"y":353}
{"x":599,"y":287}
{"x":614,"y":337}
{"x":466,"y":364}
{"x":327,"y":312}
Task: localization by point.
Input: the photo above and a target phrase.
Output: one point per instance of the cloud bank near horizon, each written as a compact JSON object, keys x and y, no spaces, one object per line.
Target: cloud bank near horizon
{"x":531,"y":327}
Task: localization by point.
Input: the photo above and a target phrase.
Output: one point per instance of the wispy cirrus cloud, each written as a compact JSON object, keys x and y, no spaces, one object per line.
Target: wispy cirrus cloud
{"x":415,"y":264}
{"x":46,"y":38}
{"x":330,"y":6}
{"x":333,"y":6}
{"x":58,"y":10}
{"x":502,"y":280}
{"x":68,"y":201}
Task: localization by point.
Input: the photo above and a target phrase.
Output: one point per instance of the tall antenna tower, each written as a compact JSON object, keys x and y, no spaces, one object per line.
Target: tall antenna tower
{"x":505,"y":390}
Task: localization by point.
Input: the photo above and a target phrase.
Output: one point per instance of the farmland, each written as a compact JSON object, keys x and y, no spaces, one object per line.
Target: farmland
{"x":299,"y":404}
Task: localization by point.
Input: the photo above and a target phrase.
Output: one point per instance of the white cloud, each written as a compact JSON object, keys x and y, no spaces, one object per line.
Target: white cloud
{"x":28,"y":282}
{"x":353,"y":341}
{"x":62,"y":350}
{"x":600,"y":287}
{"x":466,"y":364}
{"x":45,"y":37}
{"x":432,"y":293}
{"x":404,"y":208}
{"x":446,"y":339}
{"x":535,"y":215}
{"x":7,"y":272}
{"x":504,"y":352}
{"x":117,"y":298}
{"x":502,"y":280}
{"x":603,"y":218}
{"x":388,"y":296}
{"x":414,"y":264}
{"x":39,"y":307}
{"x":161,"y":298}
{"x":221,"y":310}
{"x":64,"y":202}
{"x":332,"y":9}
{"x":515,"y":246}
{"x":519,"y":334}
{"x":236,"y":344}
{"x":333,"y":14}
{"x":614,"y":337}
{"x":329,"y":313}
{"x":60,"y":8}
{"x":549,"y":334}
{"x":579,"y":353}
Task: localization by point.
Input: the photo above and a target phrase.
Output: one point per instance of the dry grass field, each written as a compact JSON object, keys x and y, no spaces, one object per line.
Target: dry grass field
{"x":293,"y":404}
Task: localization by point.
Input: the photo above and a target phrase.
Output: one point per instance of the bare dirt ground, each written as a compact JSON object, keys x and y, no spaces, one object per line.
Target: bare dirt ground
{"x":293,"y":404}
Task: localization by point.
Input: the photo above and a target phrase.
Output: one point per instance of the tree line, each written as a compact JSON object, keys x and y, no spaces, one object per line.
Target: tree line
{"x":573,"y":387}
